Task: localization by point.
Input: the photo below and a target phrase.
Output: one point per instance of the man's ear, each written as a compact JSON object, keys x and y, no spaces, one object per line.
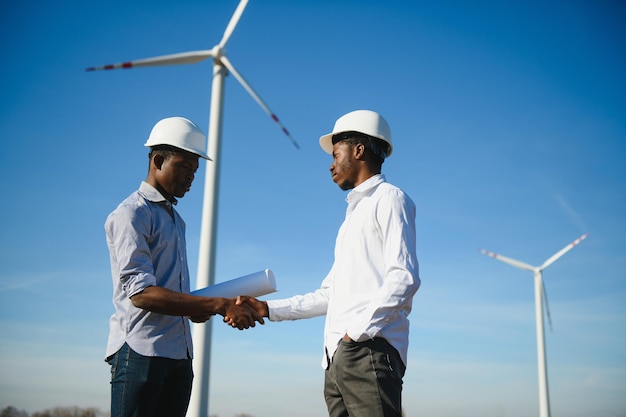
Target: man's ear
{"x":158,"y":160}
{"x":359,"y":151}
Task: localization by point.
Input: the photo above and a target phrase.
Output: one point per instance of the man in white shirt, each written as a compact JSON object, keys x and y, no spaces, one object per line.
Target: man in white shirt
{"x":367,"y":295}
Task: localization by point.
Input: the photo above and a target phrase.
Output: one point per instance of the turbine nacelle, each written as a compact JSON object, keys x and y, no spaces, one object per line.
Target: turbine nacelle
{"x":217,"y":52}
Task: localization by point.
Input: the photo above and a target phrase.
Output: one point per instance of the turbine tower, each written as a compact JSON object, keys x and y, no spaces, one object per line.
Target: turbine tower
{"x":544,"y":400}
{"x":199,"y":405}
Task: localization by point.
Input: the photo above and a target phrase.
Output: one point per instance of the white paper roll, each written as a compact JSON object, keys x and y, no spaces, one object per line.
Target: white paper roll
{"x":254,"y":285}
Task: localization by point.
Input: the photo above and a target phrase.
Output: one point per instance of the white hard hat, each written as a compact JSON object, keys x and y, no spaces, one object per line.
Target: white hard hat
{"x":180,"y":133}
{"x":362,"y":121}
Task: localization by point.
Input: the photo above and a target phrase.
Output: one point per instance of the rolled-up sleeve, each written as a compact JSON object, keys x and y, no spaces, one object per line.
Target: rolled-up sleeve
{"x":128,"y":230}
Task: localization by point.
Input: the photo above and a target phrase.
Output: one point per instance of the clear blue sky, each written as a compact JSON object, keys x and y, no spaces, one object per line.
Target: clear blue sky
{"x":509,"y":125}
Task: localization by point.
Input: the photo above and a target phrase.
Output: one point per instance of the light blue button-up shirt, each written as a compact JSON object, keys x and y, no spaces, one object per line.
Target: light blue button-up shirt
{"x":369,"y":290}
{"x":146,"y":240}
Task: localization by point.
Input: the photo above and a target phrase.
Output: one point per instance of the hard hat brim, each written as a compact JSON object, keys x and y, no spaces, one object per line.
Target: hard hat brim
{"x":326,"y":142}
{"x":200,"y":154}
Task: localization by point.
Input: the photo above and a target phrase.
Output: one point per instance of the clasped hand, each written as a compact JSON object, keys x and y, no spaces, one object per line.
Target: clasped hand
{"x":243,"y":310}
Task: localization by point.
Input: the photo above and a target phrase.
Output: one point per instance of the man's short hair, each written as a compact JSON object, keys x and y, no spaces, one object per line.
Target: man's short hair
{"x":164,"y":150}
{"x":378,"y":148}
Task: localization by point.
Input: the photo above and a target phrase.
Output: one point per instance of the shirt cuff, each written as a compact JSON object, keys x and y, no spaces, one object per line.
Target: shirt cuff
{"x":137,"y":283}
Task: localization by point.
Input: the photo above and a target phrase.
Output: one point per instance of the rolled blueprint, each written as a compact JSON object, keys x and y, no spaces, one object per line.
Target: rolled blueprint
{"x":254,"y":285}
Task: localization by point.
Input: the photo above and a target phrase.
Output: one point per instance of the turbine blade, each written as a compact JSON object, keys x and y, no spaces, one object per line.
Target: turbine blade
{"x":509,"y":261}
{"x":256,"y":97}
{"x":562,"y":252}
{"x":233,"y":22}
{"x":180,"y":58}
{"x":545,"y":300}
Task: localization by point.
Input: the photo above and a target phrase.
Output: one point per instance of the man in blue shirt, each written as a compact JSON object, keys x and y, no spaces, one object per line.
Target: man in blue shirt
{"x":150,"y":347}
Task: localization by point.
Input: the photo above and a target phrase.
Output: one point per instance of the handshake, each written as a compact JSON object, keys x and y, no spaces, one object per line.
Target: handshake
{"x":242,"y":312}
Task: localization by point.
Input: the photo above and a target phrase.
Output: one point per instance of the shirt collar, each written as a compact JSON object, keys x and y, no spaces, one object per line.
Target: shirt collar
{"x":365,"y":188}
{"x":152,"y":194}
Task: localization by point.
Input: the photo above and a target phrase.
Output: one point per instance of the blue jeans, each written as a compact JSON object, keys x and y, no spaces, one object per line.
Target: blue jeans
{"x":143,"y":386}
{"x":364,"y":379}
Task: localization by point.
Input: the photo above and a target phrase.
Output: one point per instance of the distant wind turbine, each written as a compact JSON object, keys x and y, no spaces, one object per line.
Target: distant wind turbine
{"x":199,"y":404}
{"x":544,"y":400}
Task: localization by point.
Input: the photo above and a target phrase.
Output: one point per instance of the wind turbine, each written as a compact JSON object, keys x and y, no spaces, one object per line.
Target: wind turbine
{"x":206,"y":263}
{"x":544,"y":400}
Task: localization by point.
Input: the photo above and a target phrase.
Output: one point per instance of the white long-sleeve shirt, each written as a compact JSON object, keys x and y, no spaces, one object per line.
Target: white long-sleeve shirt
{"x":369,"y":290}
